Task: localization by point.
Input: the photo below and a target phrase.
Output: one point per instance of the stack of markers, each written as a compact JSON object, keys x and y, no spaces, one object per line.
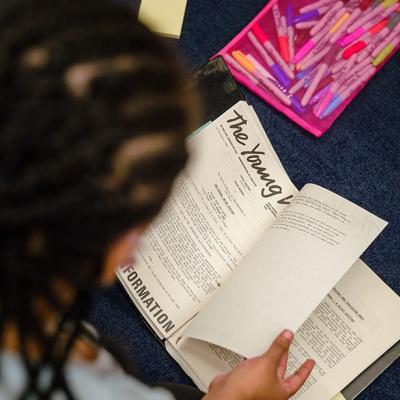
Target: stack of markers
{"x":320,"y":53}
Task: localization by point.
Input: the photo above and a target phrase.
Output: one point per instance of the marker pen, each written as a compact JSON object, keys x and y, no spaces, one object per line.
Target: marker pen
{"x":308,"y":46}
{"x":306,"y":25}
{"x":266,"y":82}
{"x":326,"y":18}
{"x":348,"y":90}
{"x":374,"y":10}
{"x":295,"y":101}
{"x":352,"y":17}
{"x":234,"y":64}
{"x":321,"y":70}
{"x":264,"y":39}
{"x":290,"y":31}
{"x":394,"y":27}
{"x":320,"y":94}
{"x":365,"y":39}
{"x":375,"y":41}
{"x":282,"y":38}
{"x":325,"y":101}
{"x":315,"y":5}
{"x":373,"y":26}
{"x":385,"y":53}
{"x":311,"y":15}
{"x":276,"y":69}
{"x":315,"y":56}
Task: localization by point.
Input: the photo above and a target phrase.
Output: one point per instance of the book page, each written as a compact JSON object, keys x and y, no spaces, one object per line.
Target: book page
{"x":351,"y":328}
{"x":355,"y":324}
{"x":309,"y":247}
{"x":221,"y":205}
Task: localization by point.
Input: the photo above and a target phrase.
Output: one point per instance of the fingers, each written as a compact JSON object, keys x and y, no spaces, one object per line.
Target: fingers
{"x":293,"y":383}
{"x":282,"y":366}
{"x":279,"y":347}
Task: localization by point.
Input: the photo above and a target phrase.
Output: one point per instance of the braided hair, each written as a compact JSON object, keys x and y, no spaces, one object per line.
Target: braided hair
{"x":93,"y":118}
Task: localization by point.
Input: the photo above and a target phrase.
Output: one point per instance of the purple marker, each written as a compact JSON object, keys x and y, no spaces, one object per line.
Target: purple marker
{"x":276,"y":69}
{"x":311,"y":15}
{"x":295,"y":102}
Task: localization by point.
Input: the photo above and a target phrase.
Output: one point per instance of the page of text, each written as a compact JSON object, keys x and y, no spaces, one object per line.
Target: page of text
{"x":221,"y":205}
{"x":352,"y":327}
{"x":309,"y":247}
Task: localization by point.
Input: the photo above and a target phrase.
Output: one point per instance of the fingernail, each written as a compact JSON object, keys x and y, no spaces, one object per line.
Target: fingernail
{"x":288,"y":335}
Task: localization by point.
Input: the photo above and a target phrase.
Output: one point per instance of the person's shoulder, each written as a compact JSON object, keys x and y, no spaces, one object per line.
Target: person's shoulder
{"x":105,"y":380}
{"x":102,"y":380}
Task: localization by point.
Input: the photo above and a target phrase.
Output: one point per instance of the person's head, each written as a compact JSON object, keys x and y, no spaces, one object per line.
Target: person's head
{"x":94,"y":113}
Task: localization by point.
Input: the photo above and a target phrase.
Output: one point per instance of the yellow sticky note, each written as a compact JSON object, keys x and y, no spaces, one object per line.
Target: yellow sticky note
{"x":163,"y":17}
{"x":339,"y":396}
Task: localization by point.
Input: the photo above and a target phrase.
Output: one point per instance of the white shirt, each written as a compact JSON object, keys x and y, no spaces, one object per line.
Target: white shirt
{"x":100,"y":380}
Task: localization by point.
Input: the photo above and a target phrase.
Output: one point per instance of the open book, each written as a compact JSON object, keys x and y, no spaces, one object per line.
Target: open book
{"x":238,"y":254}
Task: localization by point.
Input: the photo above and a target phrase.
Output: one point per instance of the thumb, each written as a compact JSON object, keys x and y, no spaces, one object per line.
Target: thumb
{"x":279,"y":347}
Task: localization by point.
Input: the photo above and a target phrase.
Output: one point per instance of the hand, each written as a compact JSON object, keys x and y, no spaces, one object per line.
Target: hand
{"x":263,"y":377}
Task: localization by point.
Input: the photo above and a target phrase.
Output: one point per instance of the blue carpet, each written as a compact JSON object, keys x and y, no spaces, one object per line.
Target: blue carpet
{"x":358,"y":158}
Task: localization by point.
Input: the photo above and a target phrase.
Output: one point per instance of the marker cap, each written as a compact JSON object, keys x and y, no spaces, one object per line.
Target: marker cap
{"x":308,"y":16}
{"x":355,"y":48}
{"x":243,"y":61}
{"x":346,"y":40}
{"x":260,"y":34}
{"x":280,"y":75}
{"x":381,"y":57}
{"x":335,"y":103}
{"x":379,"y":26}
{"x":284,"y":45}
{"x":297,"y":107}
{"x":388,"y":3}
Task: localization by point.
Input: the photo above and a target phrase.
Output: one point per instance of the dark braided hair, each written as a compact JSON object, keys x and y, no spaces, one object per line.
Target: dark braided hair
{"x":93,"y":118}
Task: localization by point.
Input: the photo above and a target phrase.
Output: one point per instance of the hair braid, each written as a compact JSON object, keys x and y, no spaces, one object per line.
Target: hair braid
{"x":63,"y":194}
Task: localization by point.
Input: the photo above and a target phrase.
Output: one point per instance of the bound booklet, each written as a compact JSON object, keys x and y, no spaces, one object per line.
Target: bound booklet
{"x":238,"y":254}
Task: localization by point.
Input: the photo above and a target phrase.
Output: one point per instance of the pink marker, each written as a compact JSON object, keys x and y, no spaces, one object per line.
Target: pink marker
{"x":353,"y":16}
{"x":330,"y":94}
{"x":326,"y":18}
{"x":321,"y":70}
{"x":315,"y":56}
{"x":373,"y":12}
{"x":375,"y":25}
{"x":264,"y":39}
{"x":309,"y":45}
